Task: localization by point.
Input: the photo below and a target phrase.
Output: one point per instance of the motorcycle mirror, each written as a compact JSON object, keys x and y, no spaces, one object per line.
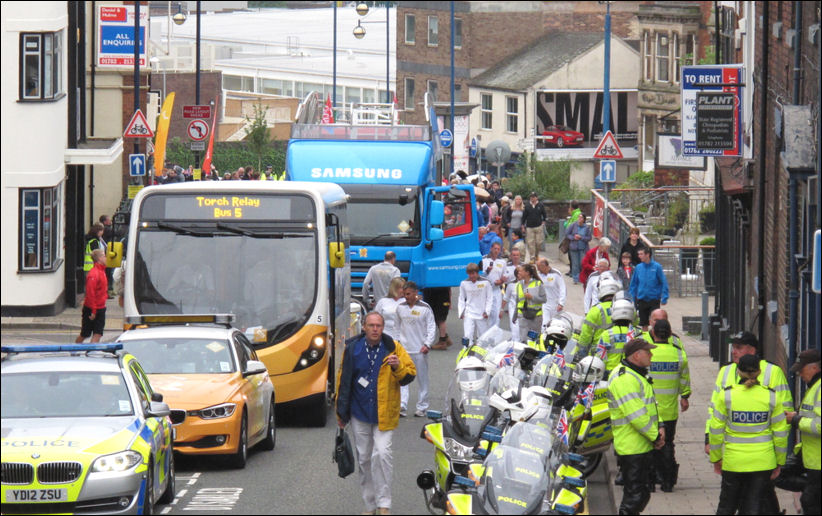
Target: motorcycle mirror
{"x":426,"y":480}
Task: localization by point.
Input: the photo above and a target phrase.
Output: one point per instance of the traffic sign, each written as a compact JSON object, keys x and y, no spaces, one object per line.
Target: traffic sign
{"x":197,"y":146}
{"x":608,"y":148}
{"x":446,"y":138}
{"x":473,"y":148}
{"x":136,"y":165}
{"x":138,"y":127}
{"x":196,"y":111}
{"x":607,"y":171}
{"x":198,"y":130}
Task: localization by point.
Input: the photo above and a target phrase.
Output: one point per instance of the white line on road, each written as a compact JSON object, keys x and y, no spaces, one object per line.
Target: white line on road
{"x":178,"y":496}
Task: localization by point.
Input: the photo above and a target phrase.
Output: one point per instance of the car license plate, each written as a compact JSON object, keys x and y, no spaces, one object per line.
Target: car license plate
{"x":36,"y":495}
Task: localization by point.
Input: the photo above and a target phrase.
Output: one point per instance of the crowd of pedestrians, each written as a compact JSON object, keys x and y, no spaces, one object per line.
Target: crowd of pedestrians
{"x":178,"y":174}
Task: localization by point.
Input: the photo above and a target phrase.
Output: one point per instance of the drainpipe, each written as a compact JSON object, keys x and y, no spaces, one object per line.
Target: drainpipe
{"x":763,"y":152}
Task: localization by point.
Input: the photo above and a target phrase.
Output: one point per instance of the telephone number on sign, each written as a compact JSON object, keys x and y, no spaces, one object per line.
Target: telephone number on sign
{"x":36,"y":495}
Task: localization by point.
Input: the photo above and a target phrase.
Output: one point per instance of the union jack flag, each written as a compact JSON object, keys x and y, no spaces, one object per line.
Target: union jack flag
{"x":508,"y":358}
{"x":559,"y":358}
{"x":562,"y":427}
{"x":602,"y":351}
{"x":631,"y":334}
{"x":586,"y":396}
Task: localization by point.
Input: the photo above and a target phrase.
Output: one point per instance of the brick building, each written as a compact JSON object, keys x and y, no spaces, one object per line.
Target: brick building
{"x":486,"y":33}
{"x":771,"y":194}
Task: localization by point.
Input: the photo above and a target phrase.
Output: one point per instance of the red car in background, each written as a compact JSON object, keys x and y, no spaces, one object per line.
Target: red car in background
{"x":561,"y":136}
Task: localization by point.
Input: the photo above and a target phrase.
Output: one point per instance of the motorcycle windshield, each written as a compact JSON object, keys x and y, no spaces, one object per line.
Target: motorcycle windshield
{"x":515,"y":481}
{"x":468,"y":411}
{"x":530,"y":437}
{"x":492,"y":336}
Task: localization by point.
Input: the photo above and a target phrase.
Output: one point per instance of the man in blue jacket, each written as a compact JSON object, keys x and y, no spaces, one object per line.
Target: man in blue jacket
{"x":649,"y":287}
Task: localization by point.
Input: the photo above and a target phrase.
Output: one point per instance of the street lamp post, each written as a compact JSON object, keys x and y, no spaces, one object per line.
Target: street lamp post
{"x":359,"y":33}
{"x":606,"y":105}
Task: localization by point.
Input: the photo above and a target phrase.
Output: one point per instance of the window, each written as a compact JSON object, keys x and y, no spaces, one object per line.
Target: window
{"x":677,"y":58}
{"x":351,"y":94}
{"x":238,"y":83}
{"x":433,"y":31}
{"x":662,"y":57}
{"x":410,"y":29}
{"x":486,"y":109}
{"x":409,"y":94}
{"x":433,"y":89}
{"x":511,"y":114}
{"x":368,"y":96}
{"x":457,"y":33}
{"x":41,"y":71}
{"x":40,"y":229}
{"x":648,"y":52}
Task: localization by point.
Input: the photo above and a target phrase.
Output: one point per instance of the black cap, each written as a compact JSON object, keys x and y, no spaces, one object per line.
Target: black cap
{"x":662,"y":329}
{"x":748,"y":364}
{"x":534,"y":194}
{"x":635,"y":345}
{"x":745,"y":337}
{"x":809,"y":356}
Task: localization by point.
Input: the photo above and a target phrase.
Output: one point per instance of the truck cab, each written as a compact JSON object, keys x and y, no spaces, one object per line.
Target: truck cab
{"x":394,"y":204}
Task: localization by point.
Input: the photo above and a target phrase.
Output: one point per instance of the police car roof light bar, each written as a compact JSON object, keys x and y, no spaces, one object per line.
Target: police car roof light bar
{"x":223,"y":319}
{"x":38,"y":348}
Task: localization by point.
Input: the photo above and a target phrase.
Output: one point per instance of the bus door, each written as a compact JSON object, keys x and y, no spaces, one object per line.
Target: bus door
{"x":451,"y":234}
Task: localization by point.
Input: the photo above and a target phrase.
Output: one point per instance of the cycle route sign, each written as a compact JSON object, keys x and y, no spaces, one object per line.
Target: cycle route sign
{"x":138,"y":127}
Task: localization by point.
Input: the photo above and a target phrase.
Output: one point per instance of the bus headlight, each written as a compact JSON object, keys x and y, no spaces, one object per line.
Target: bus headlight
{"x":313,"y":353}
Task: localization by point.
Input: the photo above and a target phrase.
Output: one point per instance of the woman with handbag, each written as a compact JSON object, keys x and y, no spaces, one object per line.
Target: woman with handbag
{"x":374,"y":367}
{"x":530,"y":298}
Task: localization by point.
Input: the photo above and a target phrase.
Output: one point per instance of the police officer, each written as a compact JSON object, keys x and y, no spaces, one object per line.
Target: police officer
{"x":771,"y":376}
{"x":613,"y":339}
{"x":635,"y":423}
{"x":598,"y":318}
{"x":807,"y":420}
{"x":748,"y":439}
{"x":672,"y":387}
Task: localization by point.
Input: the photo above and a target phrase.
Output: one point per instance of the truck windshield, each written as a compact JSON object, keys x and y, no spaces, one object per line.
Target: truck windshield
{"x":247,"y":269}
{"x":383,"y":222}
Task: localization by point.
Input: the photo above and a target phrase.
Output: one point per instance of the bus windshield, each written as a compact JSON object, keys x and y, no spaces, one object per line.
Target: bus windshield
{"x":264,"y":272}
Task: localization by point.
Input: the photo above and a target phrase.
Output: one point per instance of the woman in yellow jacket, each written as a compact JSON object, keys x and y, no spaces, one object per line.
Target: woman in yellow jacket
{"x":748,"y":438}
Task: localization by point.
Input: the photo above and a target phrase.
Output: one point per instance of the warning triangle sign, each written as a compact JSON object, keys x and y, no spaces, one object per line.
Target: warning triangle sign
{"x":608,"y":148}
{"x":138,"y":127}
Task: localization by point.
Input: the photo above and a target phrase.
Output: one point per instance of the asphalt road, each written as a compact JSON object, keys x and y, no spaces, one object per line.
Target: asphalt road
{"x":298,"y":476}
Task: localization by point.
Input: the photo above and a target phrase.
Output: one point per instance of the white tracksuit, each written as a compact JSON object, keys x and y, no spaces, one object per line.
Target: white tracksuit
{"x":416,"y":328}
{"x":494,"y":270}
{"x":474,"y":306}
{"x":554,"y":285}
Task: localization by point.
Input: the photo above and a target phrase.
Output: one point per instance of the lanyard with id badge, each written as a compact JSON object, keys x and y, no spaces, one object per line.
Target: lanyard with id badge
{"x":372,"y":359}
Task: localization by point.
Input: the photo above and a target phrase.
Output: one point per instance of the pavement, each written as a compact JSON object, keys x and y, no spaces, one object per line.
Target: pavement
{"x":698,"y":489}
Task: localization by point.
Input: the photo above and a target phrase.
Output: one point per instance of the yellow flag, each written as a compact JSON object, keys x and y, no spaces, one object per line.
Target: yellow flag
{"x":162,"y":134}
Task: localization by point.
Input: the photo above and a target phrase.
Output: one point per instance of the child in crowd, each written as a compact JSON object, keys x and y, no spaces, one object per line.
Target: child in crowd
{"x":625,"y":271}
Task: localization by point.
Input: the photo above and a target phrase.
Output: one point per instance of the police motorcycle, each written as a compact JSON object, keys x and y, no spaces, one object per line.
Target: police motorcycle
{"x":486,"y":342}
{"x":462,"y":433}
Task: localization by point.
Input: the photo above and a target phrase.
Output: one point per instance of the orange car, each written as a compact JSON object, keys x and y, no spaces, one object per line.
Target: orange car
{"x":221,"y":396}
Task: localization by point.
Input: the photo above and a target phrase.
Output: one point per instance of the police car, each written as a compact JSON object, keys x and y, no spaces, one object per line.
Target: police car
{"x":82,"y":431}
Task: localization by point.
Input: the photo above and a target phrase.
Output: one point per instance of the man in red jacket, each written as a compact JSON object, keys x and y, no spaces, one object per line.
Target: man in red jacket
{"x":94,"y":305}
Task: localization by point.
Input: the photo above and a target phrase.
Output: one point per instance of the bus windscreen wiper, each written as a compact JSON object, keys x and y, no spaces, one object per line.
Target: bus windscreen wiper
{"x":245,"y":231}
{"x":181,"y":229}
{"x":235,"y":229}
{"x":396,"y":235}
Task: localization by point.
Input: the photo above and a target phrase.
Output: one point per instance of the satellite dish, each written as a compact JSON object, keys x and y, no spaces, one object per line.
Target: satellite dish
{"x":497,"y":153}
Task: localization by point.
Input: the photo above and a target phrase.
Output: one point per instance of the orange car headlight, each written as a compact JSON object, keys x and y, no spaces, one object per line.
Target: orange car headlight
{"x":215,"y":412}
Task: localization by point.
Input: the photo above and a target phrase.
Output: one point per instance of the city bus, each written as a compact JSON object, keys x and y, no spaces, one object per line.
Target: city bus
{"x":272,"y":253}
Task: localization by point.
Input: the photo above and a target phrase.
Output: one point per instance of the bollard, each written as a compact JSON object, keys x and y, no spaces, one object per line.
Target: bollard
{"x":704,"y":335}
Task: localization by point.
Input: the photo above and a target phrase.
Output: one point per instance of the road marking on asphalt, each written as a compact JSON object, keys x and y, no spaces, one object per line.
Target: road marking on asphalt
{"x":190,"y":480}
{"x":178,"y":496}
{"x":214,"y":499}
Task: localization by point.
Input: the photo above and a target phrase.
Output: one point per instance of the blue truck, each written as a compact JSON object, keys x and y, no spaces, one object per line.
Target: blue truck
{"x":389,"y":172}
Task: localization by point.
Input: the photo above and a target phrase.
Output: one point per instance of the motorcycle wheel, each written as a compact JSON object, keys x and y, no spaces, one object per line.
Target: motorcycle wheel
{"x":590,"y":465}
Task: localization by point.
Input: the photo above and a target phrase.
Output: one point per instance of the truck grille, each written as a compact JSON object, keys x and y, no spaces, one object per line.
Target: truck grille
{"x":58,"y":472}
{"x":17,"y":473}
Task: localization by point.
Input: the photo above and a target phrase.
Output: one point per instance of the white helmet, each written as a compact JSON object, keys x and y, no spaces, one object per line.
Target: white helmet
{"x":560,"y":327}
{"x":608,"y":286}
{"x":622,"y":310}
{"x":590,"y":369}
{"x":471,"y":374}
{"x":537,"y":404}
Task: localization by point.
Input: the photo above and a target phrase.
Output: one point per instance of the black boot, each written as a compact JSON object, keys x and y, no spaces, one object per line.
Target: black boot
{"x":618,"y":480}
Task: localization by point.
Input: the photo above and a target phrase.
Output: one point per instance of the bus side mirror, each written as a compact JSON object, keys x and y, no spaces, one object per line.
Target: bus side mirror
{"x":336,"y":255}
{"x":437,"y":214}
{"x":114,"y":254}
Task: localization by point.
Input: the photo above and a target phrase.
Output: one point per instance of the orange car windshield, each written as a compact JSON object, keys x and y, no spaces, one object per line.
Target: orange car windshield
{"x":182,"y":356}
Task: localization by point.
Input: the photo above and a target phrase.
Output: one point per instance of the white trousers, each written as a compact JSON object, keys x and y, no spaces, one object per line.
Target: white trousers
{"x":549,"y":310}
{"x":376,"y":463}
{"x":512,"y":310}
{"x":469,"y":325}
{"x":421,"y":363}
{"x":496,"y":306}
